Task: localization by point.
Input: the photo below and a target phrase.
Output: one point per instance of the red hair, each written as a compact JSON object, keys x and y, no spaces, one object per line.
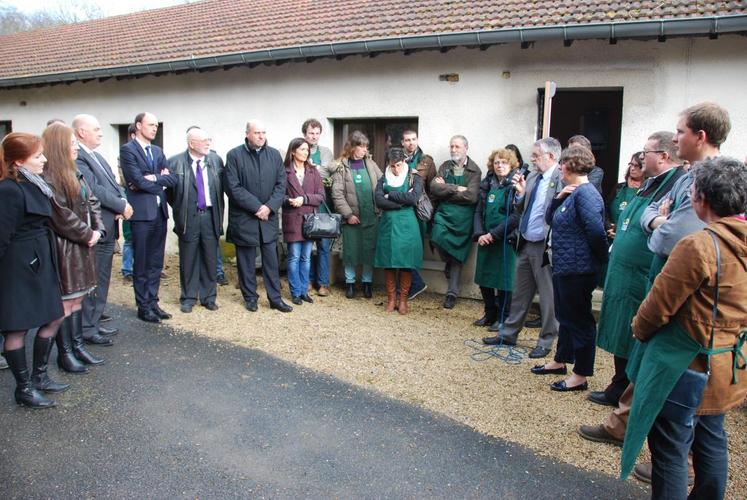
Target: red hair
{"x":17,"y":147}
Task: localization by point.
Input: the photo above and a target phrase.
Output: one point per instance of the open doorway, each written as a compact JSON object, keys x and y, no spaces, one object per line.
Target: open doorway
{"x":595,"y":113}
{"x":382,"y":133}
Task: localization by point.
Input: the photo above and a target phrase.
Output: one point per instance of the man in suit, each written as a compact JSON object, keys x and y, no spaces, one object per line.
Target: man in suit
{"x":114,"y":206}
{"x":254,"y":180}
{"x":197,"y":202}
{"x":146,"y":174}
{"x":533,"y":274}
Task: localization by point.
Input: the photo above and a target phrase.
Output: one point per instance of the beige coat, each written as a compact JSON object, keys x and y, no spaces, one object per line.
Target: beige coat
{"x":684,"y":292}
{"x":343,"y":188}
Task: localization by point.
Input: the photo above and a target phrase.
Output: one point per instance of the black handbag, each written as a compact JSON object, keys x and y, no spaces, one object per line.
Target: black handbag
{"x":424,"y":207}
{"x":318,"y":226}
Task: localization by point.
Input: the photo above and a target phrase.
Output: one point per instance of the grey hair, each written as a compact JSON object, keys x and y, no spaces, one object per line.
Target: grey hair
{"x":461,"y":138}
{"x":255,"y":122}
{"x":722,"y":182}
{"x":664,"y":141}
{"x":550,"y":145}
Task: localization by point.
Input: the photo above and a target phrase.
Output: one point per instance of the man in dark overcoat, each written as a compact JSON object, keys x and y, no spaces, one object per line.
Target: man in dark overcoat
{"x":254,"y":180}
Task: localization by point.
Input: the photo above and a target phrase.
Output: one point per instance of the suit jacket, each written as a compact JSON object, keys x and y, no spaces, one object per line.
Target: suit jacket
{"x":521,"y":204}
{"x":251,"y":179}
{"x":142,"y":193}
{"x":183,"y":196}
{"x":102,"y":182}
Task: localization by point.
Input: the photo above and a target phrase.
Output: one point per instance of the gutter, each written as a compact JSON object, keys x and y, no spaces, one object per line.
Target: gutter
{"x":661,"y":29}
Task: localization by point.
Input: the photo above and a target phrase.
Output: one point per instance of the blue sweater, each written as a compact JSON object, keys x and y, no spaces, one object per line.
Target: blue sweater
{"x":579,"y":241}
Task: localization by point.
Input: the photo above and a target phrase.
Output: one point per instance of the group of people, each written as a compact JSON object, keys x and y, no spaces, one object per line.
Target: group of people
{"x":671,"y":290}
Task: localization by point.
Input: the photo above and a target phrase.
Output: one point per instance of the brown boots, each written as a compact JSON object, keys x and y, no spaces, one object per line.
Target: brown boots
{"x":405,"y":281}
{"x":391,"y":289}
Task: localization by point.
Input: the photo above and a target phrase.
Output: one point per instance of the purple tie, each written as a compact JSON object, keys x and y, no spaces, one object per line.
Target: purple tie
{"x":200,"y":188}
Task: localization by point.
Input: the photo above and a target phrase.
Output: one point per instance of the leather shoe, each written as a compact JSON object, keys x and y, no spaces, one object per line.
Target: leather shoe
{"x":210,"y":306}
{"x":449,"y":301}
{"x":535,"y":323}
{"x":497,"y":326}
{"x":186,"y":308}
{"x":305,"y":297}
{"x":97,"y":339}
{"x":251,"y":305}
{"x":539,"y":352}
{"x":104,"y":318}
{"x":642,"y":472}
{"x":297,"y":300}
{"x":160,"y":312}
{"x":486,"y":320}
{"x":148,"y":316}
{"x":367,"y":290}
{"x":323,"y":291}
{"x":600,"y":398}
{"x":349,"y":290}
{"x":498,"y":340}
{"x":281,"y":306}
{"x":598,"y":434}
{"x":127,"y":278}
{"x":561,"y":387}
{"x":106,"y":332}
{"x":222,"y":281}
{"x":541,"y":370}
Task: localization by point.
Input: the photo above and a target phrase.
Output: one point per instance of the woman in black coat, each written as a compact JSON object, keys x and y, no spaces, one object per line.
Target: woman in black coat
{"x":30,"y":295}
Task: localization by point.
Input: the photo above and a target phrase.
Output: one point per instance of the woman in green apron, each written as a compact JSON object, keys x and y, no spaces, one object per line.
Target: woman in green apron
{"x":689,"y":367}
{"x":496,"y":259}
{"x":625,"y":191}
{"x":353,"y":180}
{"x":399,"y":245}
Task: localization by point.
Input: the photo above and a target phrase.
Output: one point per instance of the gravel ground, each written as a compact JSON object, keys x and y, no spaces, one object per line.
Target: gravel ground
{"x":424,"y":358}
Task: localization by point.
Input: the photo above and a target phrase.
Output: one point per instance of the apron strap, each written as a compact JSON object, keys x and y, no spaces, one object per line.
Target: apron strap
{"x":714,"y":311}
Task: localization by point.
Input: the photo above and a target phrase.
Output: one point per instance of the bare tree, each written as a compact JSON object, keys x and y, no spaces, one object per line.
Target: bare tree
{"x":67,"y":12}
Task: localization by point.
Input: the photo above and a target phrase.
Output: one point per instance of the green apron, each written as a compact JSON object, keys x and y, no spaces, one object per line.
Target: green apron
{"x":657,"y":262}
{"x":359,"y":240}
{"x":399,"y":244}
{"x":452,"y":224}
{"x":622,"y":199}
{"x":654,"y":368}
{"x":496,"y":263}
{"x":627,"y":275}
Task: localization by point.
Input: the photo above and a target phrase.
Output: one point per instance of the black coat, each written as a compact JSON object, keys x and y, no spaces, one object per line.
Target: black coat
{"x":183,"y":196}
{"x":143,"y":194}
{"x":252,"y":179}
{"x":30,"y":292}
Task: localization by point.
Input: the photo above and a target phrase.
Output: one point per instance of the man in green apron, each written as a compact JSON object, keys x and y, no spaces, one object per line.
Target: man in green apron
{"x":455,"y":189}
{"x":625,"y":284}
{"x":413,"y":155}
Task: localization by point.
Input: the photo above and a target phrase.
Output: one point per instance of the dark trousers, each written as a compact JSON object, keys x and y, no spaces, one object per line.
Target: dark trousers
{"x":670,"y":441}
{"x":198,"y":261}
{"x":577,"y":334}
{"x":148,"y":244}
{"x":619,"y":380}
{"x":95,"y":302}
{"x":497,"y":303}
{"x":245,"y":258}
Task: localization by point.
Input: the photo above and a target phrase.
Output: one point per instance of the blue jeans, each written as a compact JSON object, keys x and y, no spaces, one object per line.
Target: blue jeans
{"x":127,"y":258}
{"x":670,"y":441}
{"x":319,"y":274}
{"x":366,"y":273}
{"x":299,"y":263}
{"x":219,"y":266}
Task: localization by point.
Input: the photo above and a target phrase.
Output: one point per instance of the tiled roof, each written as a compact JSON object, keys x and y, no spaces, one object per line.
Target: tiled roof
{"x":220,"y":27}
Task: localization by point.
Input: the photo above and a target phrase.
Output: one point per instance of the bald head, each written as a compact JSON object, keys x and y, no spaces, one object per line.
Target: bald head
{"x":146,"y":126}
{"x":256,"y":133}
{"x":198,"y":142}
{"x":88,"y":130}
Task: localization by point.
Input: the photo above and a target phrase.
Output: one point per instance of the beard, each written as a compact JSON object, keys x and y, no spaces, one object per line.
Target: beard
{"x":457,"y":158}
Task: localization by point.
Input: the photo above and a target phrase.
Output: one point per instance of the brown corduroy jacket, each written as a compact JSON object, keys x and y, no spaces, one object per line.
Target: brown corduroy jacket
{"x":684,"y":292}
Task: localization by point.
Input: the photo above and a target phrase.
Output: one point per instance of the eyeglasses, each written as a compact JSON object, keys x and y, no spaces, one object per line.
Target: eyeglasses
{"x":643,"y":153}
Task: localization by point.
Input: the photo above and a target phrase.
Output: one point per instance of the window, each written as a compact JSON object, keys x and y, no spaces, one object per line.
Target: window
{"x":382,"y":134}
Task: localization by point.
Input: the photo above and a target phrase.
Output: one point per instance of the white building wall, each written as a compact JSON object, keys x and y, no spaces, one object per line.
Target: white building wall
{"x":658,"y":81}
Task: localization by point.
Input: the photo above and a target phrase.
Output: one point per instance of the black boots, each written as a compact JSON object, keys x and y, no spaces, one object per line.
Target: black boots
{"x":78,"y":348}
{"x":349,"y":290}
{"x":367,"y":289}
{"x":39,"y":376}
{"x":66,"y":359}
{"x":25,"y":393}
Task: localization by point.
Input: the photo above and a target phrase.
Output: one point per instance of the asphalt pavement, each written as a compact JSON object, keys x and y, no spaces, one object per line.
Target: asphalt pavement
{"x":175,"y":415}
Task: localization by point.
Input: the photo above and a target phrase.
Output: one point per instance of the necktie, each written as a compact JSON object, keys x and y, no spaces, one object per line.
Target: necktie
{"x":200,"y":188}
{"x":149,"y":155}
{"x":524,"y":226}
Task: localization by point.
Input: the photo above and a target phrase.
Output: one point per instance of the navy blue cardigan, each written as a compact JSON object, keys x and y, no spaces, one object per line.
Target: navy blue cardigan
{"x":579,"y":241}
